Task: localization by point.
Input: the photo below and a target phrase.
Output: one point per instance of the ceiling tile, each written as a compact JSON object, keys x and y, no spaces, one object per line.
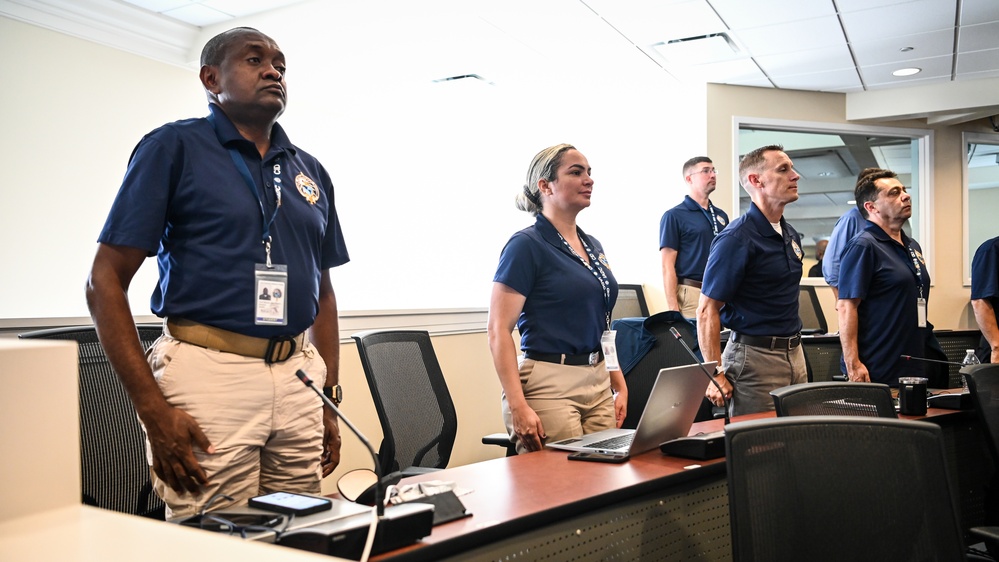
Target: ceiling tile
{"x":159,"y":5}
{"x":646,"y":22}
{"x":764,"y":13}
{"x":241,"y":8}
{"x":919,"y":16}
{"x":776,"y":39}
{"x":979,"y":11}
{"x":861,"y":5}
{"x":979,"y":37}
{"x":819,"y":81}
{"x":198,"y":14}
{"x":836,"y":57}
{"x":885,"y":50}
{"x":932,"y":67}
{"x":741,"y":70}
{"x":977,"y":61}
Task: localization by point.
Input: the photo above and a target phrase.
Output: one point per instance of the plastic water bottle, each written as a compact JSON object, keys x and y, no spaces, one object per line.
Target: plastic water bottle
{"x":969,"y":359}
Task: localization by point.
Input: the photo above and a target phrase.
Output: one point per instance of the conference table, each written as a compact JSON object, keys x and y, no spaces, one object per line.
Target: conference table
{"x":655,"y":507}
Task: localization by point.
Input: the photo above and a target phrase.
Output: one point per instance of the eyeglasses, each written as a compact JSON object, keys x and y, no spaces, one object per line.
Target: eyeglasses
{"x":239,"y":523}
{"x":707,"y":171}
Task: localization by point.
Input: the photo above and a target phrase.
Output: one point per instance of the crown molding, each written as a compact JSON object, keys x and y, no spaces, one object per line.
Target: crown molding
{"x":111,"y":23}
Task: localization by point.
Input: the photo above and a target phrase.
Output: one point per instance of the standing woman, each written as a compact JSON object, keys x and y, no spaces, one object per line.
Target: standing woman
{"x":554,"y":284}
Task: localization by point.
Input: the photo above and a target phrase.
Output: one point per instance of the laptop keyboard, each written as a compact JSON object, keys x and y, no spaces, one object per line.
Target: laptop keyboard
{"x":613,"y":442}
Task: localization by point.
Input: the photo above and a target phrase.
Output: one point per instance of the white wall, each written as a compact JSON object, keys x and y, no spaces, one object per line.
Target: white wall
{"x":425,"y":172}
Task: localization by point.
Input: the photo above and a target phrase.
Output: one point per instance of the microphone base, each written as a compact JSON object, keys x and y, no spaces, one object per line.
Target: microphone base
{"x":401,"y":525}
{"x":705,"y":446}
{"x":960,"y":401}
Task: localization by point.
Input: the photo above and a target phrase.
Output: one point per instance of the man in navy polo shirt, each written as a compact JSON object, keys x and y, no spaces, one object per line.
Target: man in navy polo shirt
{"x":685,"y":235}
{"x":233,"y":211}
{"x":985,"y":298}
{"x":751,"y":286}
{"x":884,"y":287}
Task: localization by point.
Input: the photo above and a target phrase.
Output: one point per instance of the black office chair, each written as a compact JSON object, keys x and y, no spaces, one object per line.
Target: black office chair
{"x":414,"y":406}
{"x":666,"y":352}
{"x":983,"y":384}
{"x":813,"y":320}
{"x":822,"y":355}
{"x":955,"y":343}
{"x":114,"y":471}
{"x":834,"y":488}
{"x":630,"y":303}
{"x":835,"y":399}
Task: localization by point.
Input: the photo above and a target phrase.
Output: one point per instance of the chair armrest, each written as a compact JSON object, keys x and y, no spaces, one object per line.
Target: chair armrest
{"x":501,"y":439}
{"x":989,"y":533}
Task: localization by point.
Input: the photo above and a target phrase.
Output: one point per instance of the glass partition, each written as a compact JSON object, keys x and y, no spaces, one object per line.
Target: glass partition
{"x":981,"y":193}
{"x":828,"y":159}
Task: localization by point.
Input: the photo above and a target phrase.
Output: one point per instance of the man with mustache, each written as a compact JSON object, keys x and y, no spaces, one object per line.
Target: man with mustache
{"x":884,"y":287}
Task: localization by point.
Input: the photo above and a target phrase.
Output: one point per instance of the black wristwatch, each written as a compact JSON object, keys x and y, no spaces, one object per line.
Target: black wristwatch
{"x":334,"y":393}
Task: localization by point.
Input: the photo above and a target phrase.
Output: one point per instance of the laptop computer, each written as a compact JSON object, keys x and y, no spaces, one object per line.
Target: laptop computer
{"x":673,"y":403}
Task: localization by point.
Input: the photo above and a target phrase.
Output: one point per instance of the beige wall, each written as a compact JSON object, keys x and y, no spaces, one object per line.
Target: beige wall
{"x":949,"y":303}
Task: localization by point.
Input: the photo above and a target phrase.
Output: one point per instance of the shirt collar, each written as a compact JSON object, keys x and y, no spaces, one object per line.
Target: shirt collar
{"x":760,"y":221}
{"x":689,"y":203}
{"x":229,"y":134}
{"x":879,"y":234}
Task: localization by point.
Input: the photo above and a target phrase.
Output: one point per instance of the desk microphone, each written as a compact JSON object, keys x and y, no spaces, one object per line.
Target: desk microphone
{"x":909,"y":357}
{"x":679,"y":338}
{"x":379,"y":490}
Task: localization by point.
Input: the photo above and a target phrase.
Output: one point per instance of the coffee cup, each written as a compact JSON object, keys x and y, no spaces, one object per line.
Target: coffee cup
{"x":912,"y":396}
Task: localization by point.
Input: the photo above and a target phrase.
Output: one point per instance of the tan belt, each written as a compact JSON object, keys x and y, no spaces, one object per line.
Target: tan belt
{"x":688,"y":282}
{"x":271,"y":350}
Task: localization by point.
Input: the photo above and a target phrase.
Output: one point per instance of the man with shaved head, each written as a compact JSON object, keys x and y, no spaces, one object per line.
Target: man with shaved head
{"x":232,"y":210}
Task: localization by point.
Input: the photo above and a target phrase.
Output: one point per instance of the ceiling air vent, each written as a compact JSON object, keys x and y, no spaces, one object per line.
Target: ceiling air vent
{"x":703,"y":49}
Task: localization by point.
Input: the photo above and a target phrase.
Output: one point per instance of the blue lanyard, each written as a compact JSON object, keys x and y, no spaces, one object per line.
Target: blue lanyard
{"x":597,"y":270}
{"x":244,"y":171}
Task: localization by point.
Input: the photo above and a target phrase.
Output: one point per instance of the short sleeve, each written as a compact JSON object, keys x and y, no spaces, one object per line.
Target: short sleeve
{"x":669,"y":231}
{"x":985,"y":271}
{"x":726,"y":267}
{"x":517,"y":268}
{"x":856,"y":270}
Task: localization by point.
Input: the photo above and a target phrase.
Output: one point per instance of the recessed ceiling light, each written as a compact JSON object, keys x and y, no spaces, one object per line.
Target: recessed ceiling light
{"x":851,"y":202}
{"x":907,"y":71}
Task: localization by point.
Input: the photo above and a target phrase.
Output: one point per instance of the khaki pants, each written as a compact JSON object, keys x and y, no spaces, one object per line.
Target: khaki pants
{"x":570,"y":400}
{"x":755,"y":371}
{"x":266,"y":426}
{"x":686,"y":299}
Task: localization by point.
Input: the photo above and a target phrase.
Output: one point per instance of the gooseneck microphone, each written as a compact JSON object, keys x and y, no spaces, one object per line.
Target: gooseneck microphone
{"x":379,"y":491}
{"x":910,"y":357}
{"x":679,"y":338}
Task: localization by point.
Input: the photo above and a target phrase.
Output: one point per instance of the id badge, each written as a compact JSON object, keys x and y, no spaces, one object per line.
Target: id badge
{"x":921,"y":311}
{"x":271,"y":295}
{"x":608,"y":343}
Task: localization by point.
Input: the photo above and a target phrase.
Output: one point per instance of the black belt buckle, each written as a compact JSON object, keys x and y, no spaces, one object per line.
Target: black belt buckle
{"x":279,"y":349}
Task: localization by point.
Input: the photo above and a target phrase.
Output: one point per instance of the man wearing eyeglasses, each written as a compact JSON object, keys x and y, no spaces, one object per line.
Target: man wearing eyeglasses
{"x":685,"y":234}
{"x":884,"y":287}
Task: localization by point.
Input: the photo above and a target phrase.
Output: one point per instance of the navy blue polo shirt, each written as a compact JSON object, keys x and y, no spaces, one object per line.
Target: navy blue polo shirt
{"x":985,"y":274}
{"x":880,"y":272}
{"x":565,"y":310}
{"x":184,"y":201}
{"x":687,"y":229}
{"x":756,"y":273}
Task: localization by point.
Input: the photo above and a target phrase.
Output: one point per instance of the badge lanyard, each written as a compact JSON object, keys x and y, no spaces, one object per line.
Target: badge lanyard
{"x":270,"y":280}
{"x":921,"y":300}
{"x":712,"y":218}
{"x":244,"y":172}
{"x":597,"y":271}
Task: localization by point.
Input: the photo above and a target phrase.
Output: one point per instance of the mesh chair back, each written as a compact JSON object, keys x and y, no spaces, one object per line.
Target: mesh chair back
{"x":411,"y":398}
{"x":813,"y":320}
{"x":822,"y":355}
{"x":954,"y":344}
{"x":115,"y":473}
{"x":667,"y":352}
{"x":833,"y":488}
{"x":630,"y":303}
{"x":835,"y":399}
